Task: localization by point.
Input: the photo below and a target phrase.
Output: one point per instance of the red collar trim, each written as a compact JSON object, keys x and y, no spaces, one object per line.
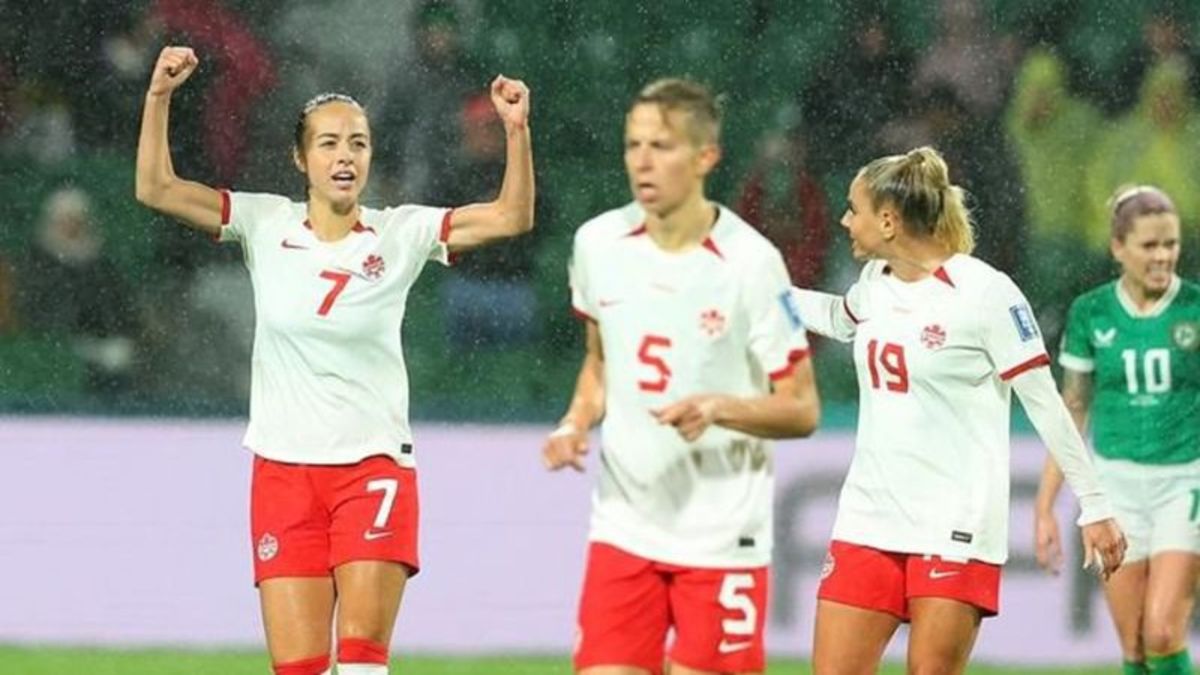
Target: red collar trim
{"x":942,"y":275}
{"x":356,"y":227}
{"x":708,"y":242}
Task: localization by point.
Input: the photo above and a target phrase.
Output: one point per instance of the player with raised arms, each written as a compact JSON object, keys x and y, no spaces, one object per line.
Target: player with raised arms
{"x":695,"y":355}
{"x":941,"y":339}
{"x":1131,"y":365}
{"x":334,"y":493}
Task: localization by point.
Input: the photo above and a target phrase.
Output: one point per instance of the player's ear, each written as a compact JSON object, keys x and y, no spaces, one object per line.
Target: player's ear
{"x":298,"y":160}
{"x":709,"y":156}
{"x":889,"y":223}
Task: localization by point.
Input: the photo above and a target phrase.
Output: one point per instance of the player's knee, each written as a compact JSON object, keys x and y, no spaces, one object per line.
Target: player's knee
{"x":1161,"y":637}
{"x":936,"y":666}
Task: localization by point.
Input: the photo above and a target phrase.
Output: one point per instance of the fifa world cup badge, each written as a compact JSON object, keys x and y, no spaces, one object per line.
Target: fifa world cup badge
{"x":1186,"y":335}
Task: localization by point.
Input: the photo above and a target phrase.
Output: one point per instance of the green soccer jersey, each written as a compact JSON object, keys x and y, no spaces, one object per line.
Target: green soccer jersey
{"x":1145,"y":371}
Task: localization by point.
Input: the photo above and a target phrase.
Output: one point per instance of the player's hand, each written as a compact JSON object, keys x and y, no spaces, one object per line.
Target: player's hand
{"x":174,"y":66}
{"x":691,"y":416}
{"x":511,"y":98}
{"x":1047,"y":543}
{"x":1103,"y":547}
{"x":565,"y":446}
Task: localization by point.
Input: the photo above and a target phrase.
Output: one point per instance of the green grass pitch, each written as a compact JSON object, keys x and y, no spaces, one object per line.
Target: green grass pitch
{"x":59,"y":661}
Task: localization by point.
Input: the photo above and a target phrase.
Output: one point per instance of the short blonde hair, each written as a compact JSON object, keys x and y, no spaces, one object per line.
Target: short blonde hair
{"x":676,"y":94}
{"x":917,"y":184}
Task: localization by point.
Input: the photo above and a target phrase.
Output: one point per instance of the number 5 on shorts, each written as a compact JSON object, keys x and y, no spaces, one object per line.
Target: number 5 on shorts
{"x":734,"y":598}
{"x":388,"y":487}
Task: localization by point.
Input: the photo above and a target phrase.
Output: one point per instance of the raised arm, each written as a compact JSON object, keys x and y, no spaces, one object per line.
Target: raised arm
{"x":157,"y":186}
{"x":1077,"y":395}
{"x":567,"y":445}
{"x":511,"y":213}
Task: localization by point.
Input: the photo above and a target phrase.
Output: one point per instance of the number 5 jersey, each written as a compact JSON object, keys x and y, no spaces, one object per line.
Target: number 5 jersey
{"x":715,"y":319}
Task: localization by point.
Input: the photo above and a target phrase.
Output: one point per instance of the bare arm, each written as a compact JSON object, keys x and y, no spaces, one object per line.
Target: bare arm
{"x":511,"y":213}
{"x":791,"y":410}
{"x":157,"y":186}
{"x":567,"y":445}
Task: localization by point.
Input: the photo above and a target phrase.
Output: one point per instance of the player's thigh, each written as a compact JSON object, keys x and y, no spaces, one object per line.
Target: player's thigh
{"x":617,"y":670}
{"x":369,"y":594}
{"x":1170,"y":599}
{"x":297,"y":613}
{"x":849,"y":640}
{"x":624,"y":613}
{"x":942,"y":635}
{"x":720,"y":617}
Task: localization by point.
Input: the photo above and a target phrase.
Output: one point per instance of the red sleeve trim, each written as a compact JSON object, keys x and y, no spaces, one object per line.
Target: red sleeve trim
{"x":1036,"y":362}
{"x":582,"y":315}
{"x":846,"y":306}
{"x":795,"y":356}
{"x":444,"y":234}
{"x":225,"y":206}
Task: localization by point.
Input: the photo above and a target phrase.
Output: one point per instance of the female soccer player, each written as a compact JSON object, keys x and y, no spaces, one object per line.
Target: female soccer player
{"x":941,"y":339}
{"x":334,"y":495}
{"x":695,"y":355}
{"x":1131,"y":362}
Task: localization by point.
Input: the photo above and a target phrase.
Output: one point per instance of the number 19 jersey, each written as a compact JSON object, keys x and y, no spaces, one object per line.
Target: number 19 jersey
{"x":328,"y":382}
{"x":1146,"y":371}
{"x":718,"y":318}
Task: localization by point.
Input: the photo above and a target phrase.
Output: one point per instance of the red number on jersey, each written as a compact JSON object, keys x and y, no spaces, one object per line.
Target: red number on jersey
{"x":891,"y":357}
{"x":645,"y":355}
{"x":339,"y":279}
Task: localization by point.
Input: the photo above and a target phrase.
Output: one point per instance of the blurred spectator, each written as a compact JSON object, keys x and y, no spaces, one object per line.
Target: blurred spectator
{"x":112,"y":80}
{"x":852,"y":95}
{"x":244,"y":73}
{"x":38,"y":126}
{"x":1054,"y":135}
{"x":784,"y":201}
{"x":1158,"y":143}
{"x":488,"y":299}
{"x":67,"y":288}
{"x":412,"y":149}
{"x":967,"y":58}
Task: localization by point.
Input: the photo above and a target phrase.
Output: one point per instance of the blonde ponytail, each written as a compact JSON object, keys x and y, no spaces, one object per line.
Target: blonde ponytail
{"x":917,"y":184}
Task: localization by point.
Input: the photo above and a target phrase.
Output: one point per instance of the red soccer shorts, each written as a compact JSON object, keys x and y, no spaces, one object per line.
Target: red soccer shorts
{"x":306,"y":519}
{"x":630,"y":603}
{"x":883,"y":581}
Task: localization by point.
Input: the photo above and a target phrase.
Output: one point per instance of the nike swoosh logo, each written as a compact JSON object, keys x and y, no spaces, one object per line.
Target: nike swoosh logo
{"x":372,"y":536}
{"x":731,"y":647}
{"x":941,"y":574}
{"x":609,"y":303}
{"x":287,"y":244}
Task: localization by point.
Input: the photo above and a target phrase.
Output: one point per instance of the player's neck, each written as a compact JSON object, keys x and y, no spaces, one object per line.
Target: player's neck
{"x":683,"y":228}
{"x":915,"y":259}
{"x":1143,"y":298}
{"x":330,"y":222}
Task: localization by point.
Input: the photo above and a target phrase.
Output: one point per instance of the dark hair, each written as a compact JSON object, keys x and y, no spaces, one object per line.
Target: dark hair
{"x":917,"y":184}
{"x":316,"y":102}
{"x":703,"y":109}
{"x":1130,"y":202}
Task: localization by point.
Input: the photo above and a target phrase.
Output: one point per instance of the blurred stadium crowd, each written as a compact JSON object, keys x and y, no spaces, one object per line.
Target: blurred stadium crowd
{"x":1041,"y":107}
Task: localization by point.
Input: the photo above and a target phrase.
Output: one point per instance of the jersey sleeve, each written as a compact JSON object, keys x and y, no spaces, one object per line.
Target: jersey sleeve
{"x":577,"y":272}
{"x":1077,"y":352}
{"x":425,"y":230}
{"x":777,"y":337}
{"x":244,"y":213}
{"x":1011,"y":336}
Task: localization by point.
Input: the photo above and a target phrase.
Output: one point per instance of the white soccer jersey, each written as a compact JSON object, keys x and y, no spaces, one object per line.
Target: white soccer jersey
{"x":328,"y":383}
{"x":715,"y":319}
{"x":930,"y":473}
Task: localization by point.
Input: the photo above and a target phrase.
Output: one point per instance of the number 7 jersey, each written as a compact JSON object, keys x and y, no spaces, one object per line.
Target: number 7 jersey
{"x":329,"y":383}
{"x":716,"y":319}
{"x":1146,"y":371}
